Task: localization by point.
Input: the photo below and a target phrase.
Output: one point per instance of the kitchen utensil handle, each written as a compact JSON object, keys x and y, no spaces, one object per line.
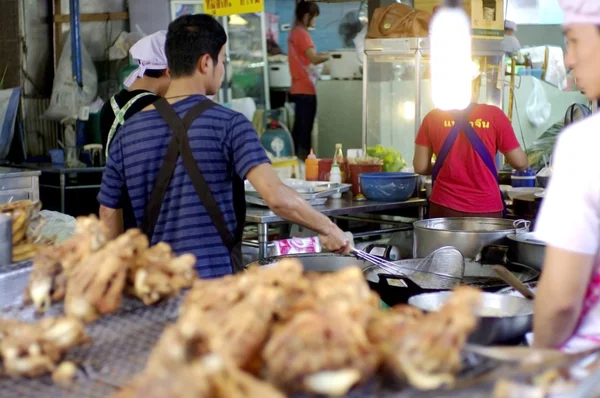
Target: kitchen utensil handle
{"x":520,"y":225}
{"x":512,"y":280}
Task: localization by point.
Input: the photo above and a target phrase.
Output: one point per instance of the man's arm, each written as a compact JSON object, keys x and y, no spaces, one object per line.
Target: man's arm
{"x":517,"y":158}
{"x":113,"y":219}
{"x":560,"y":295}
{"x":316,"y":58}
{"x":507,"y":141}
{"x":422,"y":160}
{"x":287,"y":204}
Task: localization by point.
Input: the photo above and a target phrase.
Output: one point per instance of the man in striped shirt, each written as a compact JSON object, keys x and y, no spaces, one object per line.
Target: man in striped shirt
{"x":224,"y":145}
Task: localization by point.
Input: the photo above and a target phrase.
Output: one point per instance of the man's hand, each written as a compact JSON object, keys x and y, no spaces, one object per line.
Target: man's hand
{"x":287,"y":204}
{"x":335,"y":240}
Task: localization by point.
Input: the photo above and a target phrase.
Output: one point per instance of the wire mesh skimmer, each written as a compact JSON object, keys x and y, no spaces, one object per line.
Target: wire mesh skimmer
{"x":444,"y":268}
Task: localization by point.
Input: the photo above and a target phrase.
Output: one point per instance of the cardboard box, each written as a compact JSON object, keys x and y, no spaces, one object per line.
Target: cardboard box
{"x":487,"y":16}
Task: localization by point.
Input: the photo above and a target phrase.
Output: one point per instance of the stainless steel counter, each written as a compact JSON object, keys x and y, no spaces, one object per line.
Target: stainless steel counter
{"x":333,"y":207}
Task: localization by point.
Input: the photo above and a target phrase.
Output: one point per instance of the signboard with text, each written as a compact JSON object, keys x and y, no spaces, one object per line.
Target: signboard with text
{"x":220,"y":8}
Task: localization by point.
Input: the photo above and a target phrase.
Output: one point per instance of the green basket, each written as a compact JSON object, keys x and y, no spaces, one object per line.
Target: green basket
{"x":383,"y":305}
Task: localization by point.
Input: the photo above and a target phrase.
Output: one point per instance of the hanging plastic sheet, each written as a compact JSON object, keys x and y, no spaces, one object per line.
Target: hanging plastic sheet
{"x":9,"y":106}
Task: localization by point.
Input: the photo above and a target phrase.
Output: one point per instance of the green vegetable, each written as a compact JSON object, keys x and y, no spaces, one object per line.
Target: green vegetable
{"x":392,"y":159}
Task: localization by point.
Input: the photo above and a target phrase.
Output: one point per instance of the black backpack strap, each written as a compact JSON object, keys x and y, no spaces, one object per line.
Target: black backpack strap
{"x":180,"y":145}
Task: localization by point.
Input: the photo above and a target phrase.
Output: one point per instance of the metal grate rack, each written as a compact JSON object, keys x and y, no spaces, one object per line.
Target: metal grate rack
{"x":122,"y":341}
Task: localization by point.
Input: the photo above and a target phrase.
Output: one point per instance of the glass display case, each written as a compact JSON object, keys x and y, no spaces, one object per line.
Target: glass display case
{"x":246,"y":73}
{"x":397,"y":88}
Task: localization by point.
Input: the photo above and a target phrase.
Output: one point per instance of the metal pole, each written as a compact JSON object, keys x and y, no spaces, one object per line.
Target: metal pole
{"x":263,"y":29}
{"x":76,"y":60}
{"x":364,"y":102}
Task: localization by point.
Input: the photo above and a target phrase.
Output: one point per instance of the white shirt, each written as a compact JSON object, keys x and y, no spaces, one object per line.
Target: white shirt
{"x":511,"y":44}
{"x":570,"y":215}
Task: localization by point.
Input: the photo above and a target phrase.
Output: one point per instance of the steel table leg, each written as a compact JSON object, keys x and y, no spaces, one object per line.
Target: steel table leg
{"x":421,"y":212}
{"x":263,"y":240}
{"x":62,"y":192}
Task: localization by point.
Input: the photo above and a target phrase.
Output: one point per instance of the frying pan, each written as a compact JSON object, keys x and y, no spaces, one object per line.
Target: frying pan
{"x":396,"y":289}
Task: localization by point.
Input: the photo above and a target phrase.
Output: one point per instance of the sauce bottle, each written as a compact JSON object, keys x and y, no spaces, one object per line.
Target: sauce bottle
{"x":338,"y":158}
{"x":312,"y":167}
{"x":335,"y":177}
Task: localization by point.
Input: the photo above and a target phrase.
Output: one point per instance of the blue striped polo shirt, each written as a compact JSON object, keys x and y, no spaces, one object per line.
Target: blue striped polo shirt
{"x":223,"y":142}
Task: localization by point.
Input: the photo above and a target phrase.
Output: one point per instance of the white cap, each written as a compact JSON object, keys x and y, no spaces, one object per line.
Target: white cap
{"x":510,"y":25}
{"x":149,"y":52}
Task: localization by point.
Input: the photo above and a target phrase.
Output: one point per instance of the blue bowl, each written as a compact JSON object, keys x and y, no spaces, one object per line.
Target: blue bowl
{"x":388,"y":187}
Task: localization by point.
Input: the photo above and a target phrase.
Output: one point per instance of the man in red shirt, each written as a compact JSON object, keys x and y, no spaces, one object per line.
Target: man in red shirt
{"x":302,"y":58}
{"x":465,"y":180}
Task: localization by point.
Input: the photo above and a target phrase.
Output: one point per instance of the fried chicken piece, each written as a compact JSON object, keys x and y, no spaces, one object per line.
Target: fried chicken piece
{"x":347,"y":292}
{"x":64,"y":374}
{"x":35,"y":349}
{"x":223,"y":293}
{"x":157,"y":274}
{"x":95,"y":287}
{"x":185,"y":382}
{"x":65,"y":333}
{"x":391,"y":322}
{"x":427,"y":352}
{"x":51,"y":265}
{"x":319,"y":352}
{"x":239,"y":333}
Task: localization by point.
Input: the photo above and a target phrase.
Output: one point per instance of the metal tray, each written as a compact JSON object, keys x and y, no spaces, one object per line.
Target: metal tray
{"x":122,"y":341}
{"x":307,"y":189}
{"x":258,"y":201}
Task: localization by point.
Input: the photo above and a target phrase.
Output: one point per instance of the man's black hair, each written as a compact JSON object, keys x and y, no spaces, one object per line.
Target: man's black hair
{"x":155,"y":73}
{"x":189,"y":38}
{"x":304,"y":7}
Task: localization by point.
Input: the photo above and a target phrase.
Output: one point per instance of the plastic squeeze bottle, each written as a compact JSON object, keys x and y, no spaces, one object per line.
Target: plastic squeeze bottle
{"x":335,"y":177}
{"x":312,"y":167}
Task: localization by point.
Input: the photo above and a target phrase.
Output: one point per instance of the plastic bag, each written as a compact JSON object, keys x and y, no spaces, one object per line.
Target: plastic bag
{"x":67,"y":96}
{"x":52,"y":224}
{"x":538,"y":106}
{"x":359,"y":43}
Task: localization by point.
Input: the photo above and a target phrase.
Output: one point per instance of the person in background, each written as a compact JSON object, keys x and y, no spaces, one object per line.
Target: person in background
{"x":511,"y":43}
{"x":302,"y":58}
{"x":465,"y":143}
{"x":186,"y":178}
{"x":144,"y":86}
{"x":567,"y":304}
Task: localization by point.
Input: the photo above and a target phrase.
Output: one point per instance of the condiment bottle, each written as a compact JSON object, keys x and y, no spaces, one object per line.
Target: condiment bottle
{"x":338,"y":158}
{"x":312,"y":167}
{"x":335,"y":177}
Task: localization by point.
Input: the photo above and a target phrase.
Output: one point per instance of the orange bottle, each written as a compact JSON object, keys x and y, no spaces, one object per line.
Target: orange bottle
{"x":312,"y":167}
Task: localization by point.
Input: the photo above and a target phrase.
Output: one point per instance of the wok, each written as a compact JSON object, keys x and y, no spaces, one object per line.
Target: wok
{"x":396,"y":289}
{"x":510,"y":318}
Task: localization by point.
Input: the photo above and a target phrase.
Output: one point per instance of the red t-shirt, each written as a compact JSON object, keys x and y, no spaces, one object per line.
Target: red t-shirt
{"x":298,"y":42}
{"x":464,"y":183}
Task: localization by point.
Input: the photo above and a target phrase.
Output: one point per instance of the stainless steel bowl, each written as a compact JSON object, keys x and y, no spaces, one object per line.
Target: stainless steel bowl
{"x":513,"y":316}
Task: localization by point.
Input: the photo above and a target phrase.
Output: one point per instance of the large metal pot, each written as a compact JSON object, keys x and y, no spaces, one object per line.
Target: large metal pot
{"x":513,"y":316}
{"x":468,"y":235}
{"x":525,"y":249}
